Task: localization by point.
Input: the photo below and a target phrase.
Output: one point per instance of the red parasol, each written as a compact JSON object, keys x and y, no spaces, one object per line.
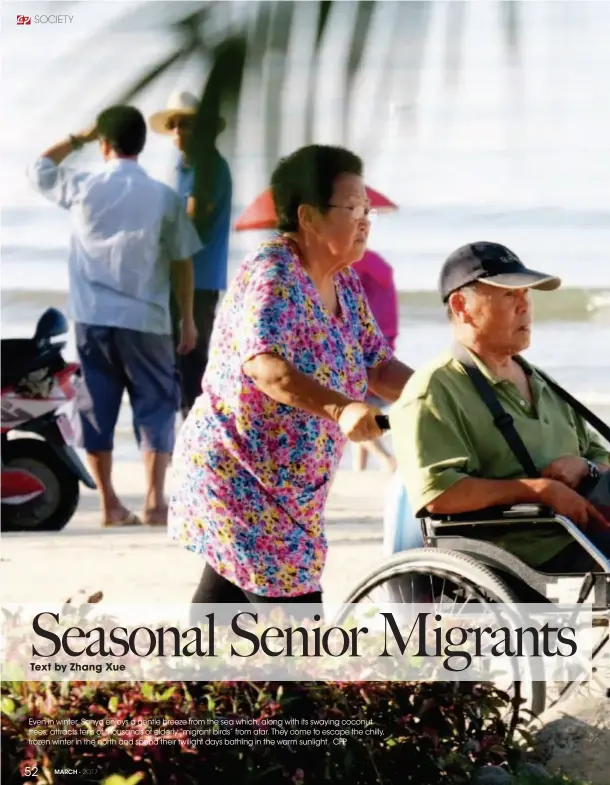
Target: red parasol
{"x":261,"y":213}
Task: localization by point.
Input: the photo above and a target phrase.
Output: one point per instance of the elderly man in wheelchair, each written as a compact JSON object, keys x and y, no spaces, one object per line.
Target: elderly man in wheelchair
{"x":511,"y":487}
{"x":480,"y":428}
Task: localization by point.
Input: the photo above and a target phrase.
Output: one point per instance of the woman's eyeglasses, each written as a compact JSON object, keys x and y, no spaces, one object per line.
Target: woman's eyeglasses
{"x":358,"y":211}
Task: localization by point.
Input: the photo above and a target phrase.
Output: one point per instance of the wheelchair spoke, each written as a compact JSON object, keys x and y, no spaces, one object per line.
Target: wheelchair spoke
{"x":457,"y":586}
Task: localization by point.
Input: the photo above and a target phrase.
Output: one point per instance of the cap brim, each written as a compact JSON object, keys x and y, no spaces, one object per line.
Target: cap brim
{"x":529,"y":279}
{"x":158,"y":121}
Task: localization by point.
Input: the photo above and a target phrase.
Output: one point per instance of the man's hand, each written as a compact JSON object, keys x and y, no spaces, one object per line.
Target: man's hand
{"x":58,"y":152}
{"x":357,"y":421}
{"x":572,"y":505}
{"x":89,"y":134}
{"x":570,"y":470}
{"x":191,"y":207}
{"x":188,"y":336}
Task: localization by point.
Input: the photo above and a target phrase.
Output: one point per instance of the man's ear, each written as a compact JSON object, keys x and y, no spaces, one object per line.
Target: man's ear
{"x":457,"y":302}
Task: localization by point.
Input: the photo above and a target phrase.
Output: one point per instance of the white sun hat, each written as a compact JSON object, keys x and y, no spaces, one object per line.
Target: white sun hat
{"x":181,"y":104}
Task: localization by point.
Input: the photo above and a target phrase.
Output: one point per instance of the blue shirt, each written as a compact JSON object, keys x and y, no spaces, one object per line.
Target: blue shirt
{"x":211,"y":262}
{"x":127,"y":229}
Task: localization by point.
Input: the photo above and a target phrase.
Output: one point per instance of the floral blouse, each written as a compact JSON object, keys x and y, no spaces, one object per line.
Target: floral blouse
{"x":251,"y":476}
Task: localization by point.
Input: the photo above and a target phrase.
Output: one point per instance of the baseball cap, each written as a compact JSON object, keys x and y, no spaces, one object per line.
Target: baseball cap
{"x":492,"y":264}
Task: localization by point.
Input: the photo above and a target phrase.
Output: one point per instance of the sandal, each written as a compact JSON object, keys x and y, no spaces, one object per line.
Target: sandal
{"x":155,"y":522}
{"x":129,"y":519}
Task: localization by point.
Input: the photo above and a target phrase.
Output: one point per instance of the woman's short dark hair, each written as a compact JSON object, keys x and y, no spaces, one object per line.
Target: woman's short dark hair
{"x":124,"y":128}
{"x":308,"y":176}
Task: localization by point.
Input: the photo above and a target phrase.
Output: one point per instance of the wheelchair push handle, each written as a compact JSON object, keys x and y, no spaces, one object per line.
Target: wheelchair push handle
{"x":383,"y":421}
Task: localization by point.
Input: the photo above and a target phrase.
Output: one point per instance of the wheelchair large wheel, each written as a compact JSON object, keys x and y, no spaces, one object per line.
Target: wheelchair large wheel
{"x":433,"y":575}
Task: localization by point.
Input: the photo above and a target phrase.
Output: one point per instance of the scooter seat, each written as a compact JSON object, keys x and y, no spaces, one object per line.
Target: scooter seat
{"x":21,"y":356}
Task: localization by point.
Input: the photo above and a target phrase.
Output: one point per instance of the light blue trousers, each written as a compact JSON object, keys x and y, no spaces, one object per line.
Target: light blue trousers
{"x":401,"y":529}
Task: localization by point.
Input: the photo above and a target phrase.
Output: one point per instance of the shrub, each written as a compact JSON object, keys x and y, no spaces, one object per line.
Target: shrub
{"x":430,"y":733}
{"x":551,"y":779}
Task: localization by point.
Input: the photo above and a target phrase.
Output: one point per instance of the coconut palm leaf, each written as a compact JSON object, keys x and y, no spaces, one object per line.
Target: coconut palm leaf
{"x":360,"y":36}
{"x":151,"y":75}
{"x":277,"y":61}
{"x":220,"y":98}
{"x":454,"y":42}
{"x":241,"y":43}
{"x":324,"y":9}
{"x":511,"y":23}
{"x":411,"y":39}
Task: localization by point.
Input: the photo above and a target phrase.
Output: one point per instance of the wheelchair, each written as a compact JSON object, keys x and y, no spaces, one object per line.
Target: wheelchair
{"x":459,"y":563}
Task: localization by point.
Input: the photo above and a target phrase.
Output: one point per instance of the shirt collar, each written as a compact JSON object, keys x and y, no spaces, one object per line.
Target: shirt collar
{"x":181,"y":166}
{"x":491,"y":377}
{"x":495,"y":380}
{"x":122,"y":163}
{"x":487,"y":373}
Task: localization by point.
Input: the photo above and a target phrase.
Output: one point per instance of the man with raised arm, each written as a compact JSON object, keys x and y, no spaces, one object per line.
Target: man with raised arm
{"x":130,"y":236}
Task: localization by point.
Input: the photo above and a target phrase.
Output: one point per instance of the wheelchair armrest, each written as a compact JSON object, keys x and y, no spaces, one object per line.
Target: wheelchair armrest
{"x":515,"y":512}
{"x":515,"y":518}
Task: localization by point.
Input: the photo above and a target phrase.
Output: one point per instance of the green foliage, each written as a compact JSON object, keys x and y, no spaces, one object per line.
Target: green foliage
{"x":430,"y":732}
{"x":551,"y":779}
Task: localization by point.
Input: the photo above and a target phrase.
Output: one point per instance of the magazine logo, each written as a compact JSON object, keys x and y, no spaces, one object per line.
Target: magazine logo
{"x":48,"y":19}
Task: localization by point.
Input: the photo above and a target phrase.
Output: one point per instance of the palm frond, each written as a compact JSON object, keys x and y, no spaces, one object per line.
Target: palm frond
{"x":456,"y":23}
{"x":152,"y":74}
{"x":360,"y":36}
{"x":277,"y":57}
{"x":511,"y":25}
{"x":415,"y":18}
{"x":251,"y":43}
{"x":220,"y":97}
{"x":324,"y":11}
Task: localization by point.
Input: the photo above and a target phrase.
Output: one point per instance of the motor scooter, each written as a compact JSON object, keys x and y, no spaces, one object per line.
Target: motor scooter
{"x":37,"y":434}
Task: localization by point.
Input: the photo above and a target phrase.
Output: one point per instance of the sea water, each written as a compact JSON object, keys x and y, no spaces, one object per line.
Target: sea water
{"x":472,"y":138}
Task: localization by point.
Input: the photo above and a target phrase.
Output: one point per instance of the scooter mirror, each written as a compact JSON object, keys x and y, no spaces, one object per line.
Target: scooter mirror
{"x":51,"y":324}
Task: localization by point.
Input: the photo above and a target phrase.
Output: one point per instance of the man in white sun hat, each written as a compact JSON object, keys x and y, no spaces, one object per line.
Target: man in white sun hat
{"x":210,"y":264}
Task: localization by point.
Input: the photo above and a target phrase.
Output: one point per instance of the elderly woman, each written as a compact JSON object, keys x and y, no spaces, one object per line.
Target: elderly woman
{"x":294,"y":351}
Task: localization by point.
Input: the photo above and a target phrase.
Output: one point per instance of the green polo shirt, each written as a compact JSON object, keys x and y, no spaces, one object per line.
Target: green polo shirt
{"x":442,"y":432}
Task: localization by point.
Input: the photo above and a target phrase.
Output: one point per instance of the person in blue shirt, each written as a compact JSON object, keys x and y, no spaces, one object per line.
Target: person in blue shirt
{"x":211,"y":262}
{"x":131,"y":244}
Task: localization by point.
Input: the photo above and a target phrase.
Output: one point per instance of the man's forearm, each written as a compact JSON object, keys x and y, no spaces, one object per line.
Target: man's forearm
{"x":183,"y":285}
{"x":473,"y":493}
{"x":388,"y":380}
{"x":59,"y":151}
{"x":62,"y":149}
{"x":281,"y":381}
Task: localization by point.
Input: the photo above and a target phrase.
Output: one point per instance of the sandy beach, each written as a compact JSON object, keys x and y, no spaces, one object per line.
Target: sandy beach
{"x":141,"y":565}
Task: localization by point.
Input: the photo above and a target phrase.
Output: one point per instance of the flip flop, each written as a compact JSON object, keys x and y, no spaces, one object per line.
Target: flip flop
{"x":148,"y":521}
{"x":129,"y":519}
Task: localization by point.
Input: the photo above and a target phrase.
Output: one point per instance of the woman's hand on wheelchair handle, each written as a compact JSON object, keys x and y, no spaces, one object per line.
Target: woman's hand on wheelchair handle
{"x":358,"y":423}
{"x":572,"y":505}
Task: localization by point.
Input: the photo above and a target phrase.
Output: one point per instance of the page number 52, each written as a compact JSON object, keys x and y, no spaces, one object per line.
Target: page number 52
{"x":30,"y":771}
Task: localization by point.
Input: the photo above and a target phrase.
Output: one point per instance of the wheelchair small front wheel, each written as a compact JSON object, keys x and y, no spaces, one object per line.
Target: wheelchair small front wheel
{"x":441,"y":577}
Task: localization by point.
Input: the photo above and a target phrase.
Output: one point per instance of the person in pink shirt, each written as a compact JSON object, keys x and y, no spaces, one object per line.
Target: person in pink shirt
{"x":377,"y":278}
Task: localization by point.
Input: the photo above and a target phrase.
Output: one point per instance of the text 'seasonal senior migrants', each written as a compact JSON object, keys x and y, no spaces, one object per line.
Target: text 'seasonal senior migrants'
{"x":348,"y":643}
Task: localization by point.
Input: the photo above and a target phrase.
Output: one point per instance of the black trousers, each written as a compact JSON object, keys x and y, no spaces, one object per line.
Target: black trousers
{"x":213,"y":588}
{"x":574,"y":559}
{"x":191,"y":366}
